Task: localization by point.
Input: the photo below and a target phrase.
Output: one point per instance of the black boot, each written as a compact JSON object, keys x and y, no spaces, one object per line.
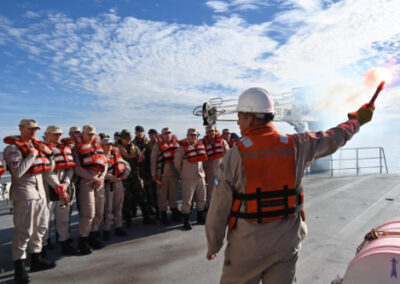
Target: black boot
{"x":146,"y":218}
{"x":186,"y":222}
{"x":50,"y":244}
{"x":83,"y":246}
{"x":20,"y":275}
{"x":128,"y":222}
{"x":94,"y":241}
{"x":176,"y":215}
{"x":201,"y":218}
{"x":39,"y":263}
{"x":43,"y":253}
{"x":157,"y":213}
{"x":164,"y":219}
{"x":106,"y":236}
{"x":67,"y":248}
{"x":120,"y":232}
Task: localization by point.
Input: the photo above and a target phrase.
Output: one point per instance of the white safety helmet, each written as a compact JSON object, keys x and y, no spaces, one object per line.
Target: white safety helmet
{"x":255,"y":100}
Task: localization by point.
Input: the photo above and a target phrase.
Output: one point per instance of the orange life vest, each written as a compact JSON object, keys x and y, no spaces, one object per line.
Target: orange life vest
{"x":194,"y":153}
{"x":231,"y":143}
{"x":269,"y":161}
{"x":92,"y":156}
{"x":116,"y":166}
{"x":214,"y":150}
{"x":167,"y":150}
{"x":62,"y":157}
{"x":40,"y":164}
{"x":2,"y":169}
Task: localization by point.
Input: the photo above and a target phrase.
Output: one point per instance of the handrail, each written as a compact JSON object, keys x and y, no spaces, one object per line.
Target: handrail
{"x":358,"y":165}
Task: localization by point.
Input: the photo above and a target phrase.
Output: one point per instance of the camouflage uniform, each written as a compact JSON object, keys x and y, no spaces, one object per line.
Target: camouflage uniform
{"x":134,"y":189}
{"x":145,"y":171}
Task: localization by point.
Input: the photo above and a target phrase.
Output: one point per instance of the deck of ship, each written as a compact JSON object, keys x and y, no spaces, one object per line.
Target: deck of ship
{"x":339,"y":212}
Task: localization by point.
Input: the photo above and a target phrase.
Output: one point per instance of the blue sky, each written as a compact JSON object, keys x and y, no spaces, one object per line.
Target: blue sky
{"x":116,"y":64}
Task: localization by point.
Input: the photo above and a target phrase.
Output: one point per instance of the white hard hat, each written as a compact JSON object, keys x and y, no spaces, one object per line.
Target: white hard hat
{"x":256,"y":100}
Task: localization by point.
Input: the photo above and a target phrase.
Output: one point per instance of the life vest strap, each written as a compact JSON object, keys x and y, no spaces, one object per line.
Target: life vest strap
{"x":260,"y":215}
{"x":267,"y":194}
{"x":279,"y":198}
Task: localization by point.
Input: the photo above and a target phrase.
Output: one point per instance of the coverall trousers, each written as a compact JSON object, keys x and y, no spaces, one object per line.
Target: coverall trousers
{"x":30,"y":222}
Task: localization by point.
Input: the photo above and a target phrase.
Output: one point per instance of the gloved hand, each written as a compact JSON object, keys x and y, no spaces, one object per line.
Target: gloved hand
{"x":363,"y":114}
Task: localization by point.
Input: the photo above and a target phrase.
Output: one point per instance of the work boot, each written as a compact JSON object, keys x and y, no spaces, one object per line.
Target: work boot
{"x":94,"y":241}
{"x":106,"y":236}
{"x":120,"y":232}
{"x":148,"y":221}
{"x":176,"y":215}
{"x":20,"y":275}
{"x":164,"y":220}
{"x":39,"y":263}
{"x":128,"y":222}
{"x":201,"y":218}
{"x":43,"y":253}
{"x":145,"y":213}
{"x":67,"y":248}
{"x":83,"y":246}
{"x":186,"y":222}
{"x":50,"y":244}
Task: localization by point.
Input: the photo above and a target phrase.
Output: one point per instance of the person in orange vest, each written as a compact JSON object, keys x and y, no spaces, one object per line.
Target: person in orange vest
{"x":59,"y":203}
{"x":118,"y":170}
{"x":164,"y":173}
{"x":188,"y":161}
{"x":69,"y":140}
{"x":226,"y":135}
{"x":27,"y":159}
{"x":91,"y":168}
{"x":259,"y":194}
{"x":2,"y":168}
{"x":216,"y":148}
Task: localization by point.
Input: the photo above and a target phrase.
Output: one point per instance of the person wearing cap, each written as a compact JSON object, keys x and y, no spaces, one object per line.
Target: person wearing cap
{"x":27,"y":159}
{"x":103,"y":135}
{"x":259,"y":195}
{"x":144,"y":166}
{"x":116,"y":138}
{"x":2,"y":168}
{"x":91,"y":168}
{"x":216,"y":148}
{"x":163,"y":171}
{"x":140,"y":137}
{"x":226,"y":135}
{"x":134,"y":193}
{"x":188,"y":161}
{"x":59,"y":201}
{"x":68,"y":140}
{"x":118,"y":170}
{"x":149,"y":184}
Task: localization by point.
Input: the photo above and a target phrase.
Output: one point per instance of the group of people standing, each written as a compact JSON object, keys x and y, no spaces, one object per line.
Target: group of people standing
{"x":108,"y":179}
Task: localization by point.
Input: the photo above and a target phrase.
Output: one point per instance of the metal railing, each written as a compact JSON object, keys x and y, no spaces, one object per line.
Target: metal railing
{"x":4,"y":191}
{"x":359,"y":162}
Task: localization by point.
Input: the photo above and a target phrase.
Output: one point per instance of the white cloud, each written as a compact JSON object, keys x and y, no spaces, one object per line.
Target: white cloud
{"x":156,"y":72}
{"x":218,"y":6}
{"x":31,"y":15}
